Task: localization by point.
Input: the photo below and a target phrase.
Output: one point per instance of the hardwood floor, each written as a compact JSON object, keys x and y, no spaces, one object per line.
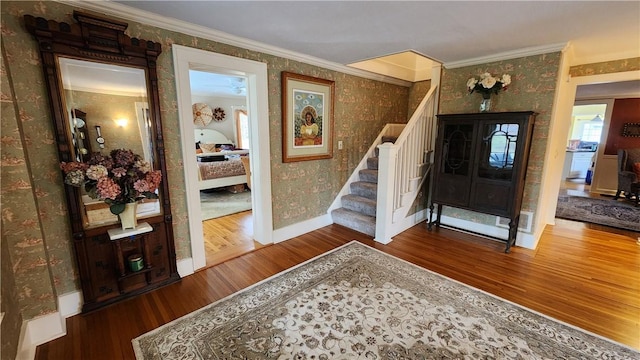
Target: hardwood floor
{"x":228,"y":237}
{"x":582,"y":276}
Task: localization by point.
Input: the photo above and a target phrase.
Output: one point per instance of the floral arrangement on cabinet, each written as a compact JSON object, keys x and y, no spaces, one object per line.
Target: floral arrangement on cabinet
{"x":487,"y":84}
{"x":118,"y":179}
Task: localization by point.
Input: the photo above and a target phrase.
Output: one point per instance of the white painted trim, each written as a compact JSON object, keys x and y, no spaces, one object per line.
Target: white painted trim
{"x":303,"y":227}
{"x":187,"y":138}
{"x":530,"y":51}
{"x":132,"y":14}
{"x":38,"y":331}
{"x":555,"y":150}
{"x":186,"y":58}
{"x":185,"y":267}
{"x":70,"y":304}
{"x":558,"y":134}
{"x":522,"y":239}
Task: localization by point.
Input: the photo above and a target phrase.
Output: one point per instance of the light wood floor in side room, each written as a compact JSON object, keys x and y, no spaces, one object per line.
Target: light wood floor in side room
{"x":228,"y":237}
{"x":581,"y":276}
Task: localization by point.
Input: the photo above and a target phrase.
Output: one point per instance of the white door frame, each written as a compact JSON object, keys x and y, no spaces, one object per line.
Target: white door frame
{"x":568,"y":87}
{"x":185,"y":59}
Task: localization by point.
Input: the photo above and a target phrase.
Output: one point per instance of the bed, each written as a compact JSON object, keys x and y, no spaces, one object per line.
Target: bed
{"x":219,"y":162}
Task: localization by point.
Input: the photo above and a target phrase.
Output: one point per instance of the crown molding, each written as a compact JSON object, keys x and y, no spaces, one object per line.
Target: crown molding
{"x":530,"y":51}
{"x":132,"y":14}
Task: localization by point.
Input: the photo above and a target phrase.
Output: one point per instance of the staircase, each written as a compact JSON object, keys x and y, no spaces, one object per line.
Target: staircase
{"x":378,"y":198}
{"x":358,"y":211}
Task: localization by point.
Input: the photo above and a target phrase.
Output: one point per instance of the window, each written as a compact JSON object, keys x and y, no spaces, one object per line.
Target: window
{"x":592,"y":131}
{"x":242,"y":127}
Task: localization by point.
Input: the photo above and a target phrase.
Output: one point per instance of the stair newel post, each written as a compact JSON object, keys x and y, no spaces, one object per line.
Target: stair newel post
{"x":388,"y":157}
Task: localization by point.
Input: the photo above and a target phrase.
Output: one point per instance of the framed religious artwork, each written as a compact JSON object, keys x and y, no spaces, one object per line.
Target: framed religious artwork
{"x":307,"y":117}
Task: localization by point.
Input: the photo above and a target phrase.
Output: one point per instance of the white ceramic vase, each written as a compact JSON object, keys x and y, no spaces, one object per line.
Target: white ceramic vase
{"x":128,"y":218}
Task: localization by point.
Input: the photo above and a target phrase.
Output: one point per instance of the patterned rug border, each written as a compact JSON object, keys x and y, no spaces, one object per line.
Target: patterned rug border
{"x":139,"y":355}
{"x":582,"y":214}
{"x":135,"y":341}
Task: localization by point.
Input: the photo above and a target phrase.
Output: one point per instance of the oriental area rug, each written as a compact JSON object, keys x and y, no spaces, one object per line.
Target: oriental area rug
{"x":615,"y":213}
{"x":356,"y":302}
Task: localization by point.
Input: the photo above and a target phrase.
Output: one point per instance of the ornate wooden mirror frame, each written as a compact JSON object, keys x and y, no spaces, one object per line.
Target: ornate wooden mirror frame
{"x":95,"y":38}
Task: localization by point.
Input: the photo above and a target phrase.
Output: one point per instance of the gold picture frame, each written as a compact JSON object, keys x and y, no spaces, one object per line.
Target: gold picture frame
{"x":307,"y":117}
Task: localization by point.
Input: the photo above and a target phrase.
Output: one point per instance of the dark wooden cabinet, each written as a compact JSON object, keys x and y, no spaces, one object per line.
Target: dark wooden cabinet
{"x":106,"y":274}
{"x":481,"y":163}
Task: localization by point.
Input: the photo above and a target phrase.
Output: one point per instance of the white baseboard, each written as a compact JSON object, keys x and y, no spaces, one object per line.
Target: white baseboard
{"x":70,"y":304}
{"x":185,"y":267}
{"x":522,"y":239}
{"x":38,"y":331}
{"x":291,"y":231}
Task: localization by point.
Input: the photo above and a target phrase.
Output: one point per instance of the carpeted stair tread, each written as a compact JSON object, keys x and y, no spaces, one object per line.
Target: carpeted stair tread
{"x":365,"y":189}
{"x":359,"y":204}
{"x":354,"y":220}
{"x":368,"y":175}
{"x":372,"y":163}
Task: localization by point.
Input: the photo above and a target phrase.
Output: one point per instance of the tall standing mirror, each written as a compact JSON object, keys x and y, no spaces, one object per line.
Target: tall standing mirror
{"x":108,"y":109}
{"x":103,"y":95}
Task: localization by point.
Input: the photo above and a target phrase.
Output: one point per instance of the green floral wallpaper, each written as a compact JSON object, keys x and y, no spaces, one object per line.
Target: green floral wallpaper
{"x":416,"y":94}
{"x":300,"y":190}
{"x":22,"y":232}
{"x":12,"y":320}
{"x":532,"y":88}
{"x":607,"y":67}
{"x":102,"y":110}
{"x":34,"y":214}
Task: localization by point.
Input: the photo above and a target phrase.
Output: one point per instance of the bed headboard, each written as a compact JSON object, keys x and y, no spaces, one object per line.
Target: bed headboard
{"x":210,"y":136}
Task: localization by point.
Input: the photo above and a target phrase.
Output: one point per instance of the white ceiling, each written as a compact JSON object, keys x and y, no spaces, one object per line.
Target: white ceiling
{"x":619,"y":89}
{"x":446,"y":31}
{"x":204,"y":83}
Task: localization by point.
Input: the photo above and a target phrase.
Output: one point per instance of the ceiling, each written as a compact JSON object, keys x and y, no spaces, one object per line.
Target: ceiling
{"x":345,"y":32}
{"x":619,"y":89}
{"x":204,"y":83}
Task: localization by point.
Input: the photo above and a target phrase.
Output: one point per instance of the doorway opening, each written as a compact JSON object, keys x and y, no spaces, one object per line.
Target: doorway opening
{"x":246,"y":82}
{"x":221,"y":130}
{"x":587,"y":170}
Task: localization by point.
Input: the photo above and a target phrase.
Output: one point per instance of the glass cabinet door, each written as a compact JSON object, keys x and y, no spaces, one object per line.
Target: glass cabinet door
{"x":456,"y":149}
{"x":498,"y":151}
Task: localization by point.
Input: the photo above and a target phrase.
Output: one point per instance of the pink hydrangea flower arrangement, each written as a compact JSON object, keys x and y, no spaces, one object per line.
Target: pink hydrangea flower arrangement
{"x":118,"y":179}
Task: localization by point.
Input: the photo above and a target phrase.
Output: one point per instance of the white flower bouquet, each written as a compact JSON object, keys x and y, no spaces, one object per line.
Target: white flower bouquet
{"x":487,"y":84}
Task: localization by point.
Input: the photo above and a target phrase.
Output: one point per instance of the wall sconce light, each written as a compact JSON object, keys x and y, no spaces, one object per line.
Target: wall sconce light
{"x":122,"y":122}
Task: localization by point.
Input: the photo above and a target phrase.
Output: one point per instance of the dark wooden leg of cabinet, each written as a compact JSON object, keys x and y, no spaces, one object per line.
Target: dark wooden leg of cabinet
{"x":513,"y":230}
{"x":430,"y":222}
{"x":438,"y":216}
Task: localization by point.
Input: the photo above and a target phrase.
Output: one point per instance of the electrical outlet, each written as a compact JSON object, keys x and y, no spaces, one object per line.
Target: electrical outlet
{"x":340,"y":145}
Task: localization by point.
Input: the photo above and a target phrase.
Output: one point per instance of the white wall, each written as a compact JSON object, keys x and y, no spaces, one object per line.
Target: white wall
{"x":226,"y":126}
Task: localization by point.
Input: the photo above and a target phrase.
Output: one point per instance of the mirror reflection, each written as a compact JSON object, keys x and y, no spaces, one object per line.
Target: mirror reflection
{"x":499,"y":151}
{"x":107,"y":109}
{"x":111,"y":101}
